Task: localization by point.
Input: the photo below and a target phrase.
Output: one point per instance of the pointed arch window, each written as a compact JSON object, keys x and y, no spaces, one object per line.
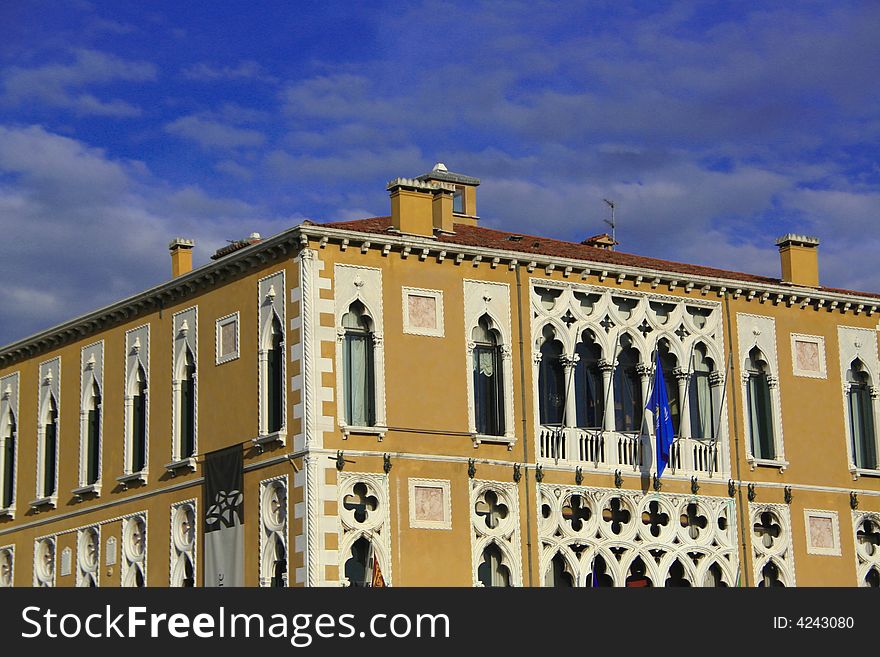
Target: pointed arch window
{"x":275,"y":377}
{"x":700,"y":401}
{"x":492,"y":570}
{"x":669,"y":363}
{"x":628,"y":401}
{"x":588,"y":386}
{"x":759,"y":406}
{"x":139,"y":421}
{"x":7,"y":454}
{"x":358,"y":367}
{"x":488,"y":380}
{"x":92,"y":458}
{"x":50,"y":449}
{"x":551,"y":380}
{"x":860,"y":406}
{"x":187,"y":428}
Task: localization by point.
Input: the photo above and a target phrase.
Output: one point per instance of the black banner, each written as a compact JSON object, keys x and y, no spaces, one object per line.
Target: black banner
{"x":224,"y":518}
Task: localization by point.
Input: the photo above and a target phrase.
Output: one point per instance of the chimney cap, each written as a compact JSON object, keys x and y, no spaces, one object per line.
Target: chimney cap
{"x":602,"y":241}
{"x":442,"y":174}
{"x":180,"y":243}
{"x":794,"y":239}
{"x":440,"y":167}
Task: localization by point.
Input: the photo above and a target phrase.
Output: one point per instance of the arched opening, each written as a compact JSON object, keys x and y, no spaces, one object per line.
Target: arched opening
{"x":599,"y":576}
{"x":139,"y":421}
{"x":50,"y":444}
{"x":861,"y":416}
{"x":492,"y":571}
{"x":669,"y":363}
{"x":700,"y":402}
{"x":488,"y":380}
{"x":770,"y":576}
{"x":557,"y":575}
{"x":93,"y":435}
{"x":279,"y":566}
{"x":638,"y":575}
{"x":275,"y":377}
{"x":588,"y":388}
{"x":359,"y":376}
{"x":7,"y":492}
{"x":356,"y":565}
{"x":714,"y":577}
{"x":677,"y":576}
{"x":759,"y":406}
{"x":551,"y":380}
{"x":188,"y":407}
{"x":627,"y":388}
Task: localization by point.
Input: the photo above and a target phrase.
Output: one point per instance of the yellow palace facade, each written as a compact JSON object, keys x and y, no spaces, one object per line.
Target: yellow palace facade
{"x":450,"y":405}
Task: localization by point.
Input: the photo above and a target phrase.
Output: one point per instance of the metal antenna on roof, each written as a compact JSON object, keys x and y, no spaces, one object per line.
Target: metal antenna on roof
{"x":611,"y":223}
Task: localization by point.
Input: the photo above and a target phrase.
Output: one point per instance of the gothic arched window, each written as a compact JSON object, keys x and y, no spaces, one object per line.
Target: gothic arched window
{"x":275,"y":377}
{"x":551,"y":380}
{"x":358,"y":367}
{"x":93,"y":435}
{"x":669,"y":364}
{"x":700,"y":402}
{"x":7,"y":490}
{"x":759,"y":405}
{"x":627,"y":388}
{"x":188,"y":407}
{"x":488,"y":380}
{"x":589,"y":391}
{"x":50,"y":445}
{"x":861,"y":416}
{"x":138,"y":456}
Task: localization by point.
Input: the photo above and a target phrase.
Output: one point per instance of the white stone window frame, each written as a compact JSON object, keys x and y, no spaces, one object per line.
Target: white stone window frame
{"x":442,"y":484}
{"x":819,"y":341}
{"x":137,"y":354}
{"x":222,"y":322}
{"x":127,"y":562}
{"x":854,"y":342}
{"x":376,"y":528}
{"x":492,"y":300}
{"x":270,"y":304}
{"x":81,"y":572}
{"x":760,"y":331}
{"x":49,"y":387}
{"x":10,"y":549}
{"x":833,"y":551}
{"x":185,"y":333}
{"x":557,"y":536}
{"x":39,"y":579}
{"x":360,"y":283}
{"x":91,"y":370}
{"x":9,"y":388}
{"x":175,"y":550}
{"x":437,"y":295}
{"x":268,"y":530}
{"x":863,"y":562}
{"x":781,"y":553}
{"x":506,"y":536}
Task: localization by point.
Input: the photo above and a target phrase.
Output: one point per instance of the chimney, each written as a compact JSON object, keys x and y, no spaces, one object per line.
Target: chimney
{"x":799,"y":255}
{"x":464,"y":193}
{"x":181,"y":256}
{"x":602,"y":241}
{"x":412,"y":206}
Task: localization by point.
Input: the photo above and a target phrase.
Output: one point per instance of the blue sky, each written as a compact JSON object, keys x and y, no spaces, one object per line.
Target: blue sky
{"x":716,"y":127}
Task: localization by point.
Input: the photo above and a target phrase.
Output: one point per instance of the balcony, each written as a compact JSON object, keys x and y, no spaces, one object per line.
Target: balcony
{"x":607,"y":451}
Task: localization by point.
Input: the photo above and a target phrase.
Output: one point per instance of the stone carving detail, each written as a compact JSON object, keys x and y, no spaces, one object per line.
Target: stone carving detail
{"x":866,"y":528}
{"x":772,"y":551}
{"x":274,"y":551}
{"x":494,"y":512}
{"x":628,"y":539}
{"x":365,"y":528}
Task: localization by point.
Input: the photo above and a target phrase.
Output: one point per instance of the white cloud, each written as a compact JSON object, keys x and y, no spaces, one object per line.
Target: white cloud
{"x":211,"y":133}
{"x":57,"y":84}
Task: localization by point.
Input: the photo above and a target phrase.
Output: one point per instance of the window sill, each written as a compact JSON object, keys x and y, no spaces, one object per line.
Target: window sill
{"x":863,"y":472}
{"x":279,"y":436}
{"x":133,"y":478}
{"x":377,"y":431}
{"x":93,"y":490}
{"x":767,"y":463}
{"x":8,"y":512}
{"x":183,"y":464}
{"x":45,"y":502}
{"x":479,"y":438}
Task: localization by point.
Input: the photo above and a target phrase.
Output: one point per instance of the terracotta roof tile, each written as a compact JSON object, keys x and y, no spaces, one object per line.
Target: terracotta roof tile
{"x":497,"y":239}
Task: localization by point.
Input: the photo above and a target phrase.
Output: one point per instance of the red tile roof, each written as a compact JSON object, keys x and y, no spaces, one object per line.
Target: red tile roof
{"x":498,"y":239}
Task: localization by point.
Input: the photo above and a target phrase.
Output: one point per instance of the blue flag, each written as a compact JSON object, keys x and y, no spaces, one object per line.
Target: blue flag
{"x":658,"y":404}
